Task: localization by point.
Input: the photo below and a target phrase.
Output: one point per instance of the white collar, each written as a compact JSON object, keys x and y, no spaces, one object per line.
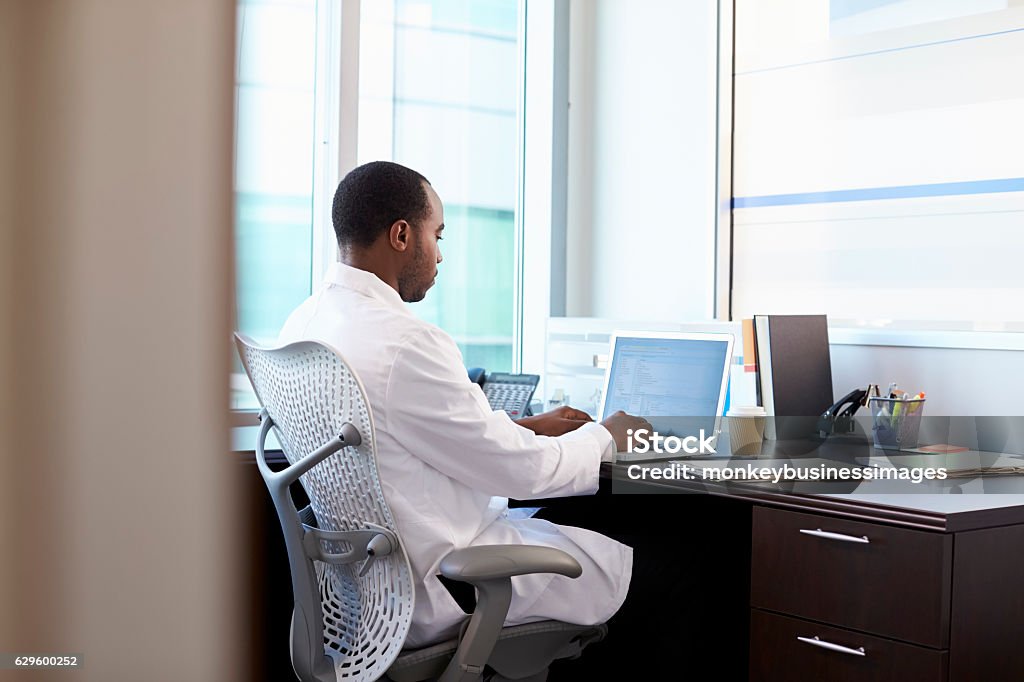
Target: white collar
{"x":365,"y":283}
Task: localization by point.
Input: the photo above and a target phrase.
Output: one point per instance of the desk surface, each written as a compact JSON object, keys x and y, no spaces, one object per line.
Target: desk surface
{"x":957,"y":504}
{"x":950,"y":505}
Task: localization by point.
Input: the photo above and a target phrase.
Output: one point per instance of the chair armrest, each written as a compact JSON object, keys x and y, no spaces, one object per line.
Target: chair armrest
{"x":487,"y":562}
{"x":490,"y":569}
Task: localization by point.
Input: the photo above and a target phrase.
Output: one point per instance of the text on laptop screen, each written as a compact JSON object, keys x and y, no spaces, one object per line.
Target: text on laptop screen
{"x":666,"y":377}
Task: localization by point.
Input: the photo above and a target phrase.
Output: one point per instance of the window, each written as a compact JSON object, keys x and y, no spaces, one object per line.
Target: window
{"x":274,"y":127}
{"x":275,"y":89}
{"x":878,"y":165}
{"x":438,"y":92}
{"x":438,"y":89}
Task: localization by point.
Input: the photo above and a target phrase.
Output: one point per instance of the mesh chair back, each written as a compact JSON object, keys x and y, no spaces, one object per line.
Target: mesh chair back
{"x":310,"y":392}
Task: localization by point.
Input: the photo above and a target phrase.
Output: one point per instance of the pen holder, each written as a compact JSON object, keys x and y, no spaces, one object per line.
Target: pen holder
{"x":896,"y":422}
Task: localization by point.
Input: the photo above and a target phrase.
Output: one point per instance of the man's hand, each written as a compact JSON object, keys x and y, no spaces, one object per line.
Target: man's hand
{"x":555,"y":422}
{"x":617,"y":425}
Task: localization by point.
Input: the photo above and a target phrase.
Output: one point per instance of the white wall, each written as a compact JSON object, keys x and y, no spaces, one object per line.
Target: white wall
{"x":641,"y":159}
{"x":956,"y":381}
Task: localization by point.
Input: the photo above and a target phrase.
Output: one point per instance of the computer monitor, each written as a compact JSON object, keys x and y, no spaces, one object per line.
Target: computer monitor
{"x":677,"y":381}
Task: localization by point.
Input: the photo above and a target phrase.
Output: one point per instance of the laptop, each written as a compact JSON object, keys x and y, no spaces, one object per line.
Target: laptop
{"x":675,"y":380}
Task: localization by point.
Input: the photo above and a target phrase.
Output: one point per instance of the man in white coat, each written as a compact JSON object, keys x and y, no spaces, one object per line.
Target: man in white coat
{"x":448,"y":462}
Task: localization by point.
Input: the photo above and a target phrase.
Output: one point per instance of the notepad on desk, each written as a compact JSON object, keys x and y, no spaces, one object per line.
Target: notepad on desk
{"x":941,"y":449}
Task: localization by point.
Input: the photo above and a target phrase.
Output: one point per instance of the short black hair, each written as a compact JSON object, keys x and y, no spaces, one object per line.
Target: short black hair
{"x":373,"y":197}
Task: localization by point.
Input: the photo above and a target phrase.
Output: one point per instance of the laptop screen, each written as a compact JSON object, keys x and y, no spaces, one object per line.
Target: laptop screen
{"x":668,"y":375}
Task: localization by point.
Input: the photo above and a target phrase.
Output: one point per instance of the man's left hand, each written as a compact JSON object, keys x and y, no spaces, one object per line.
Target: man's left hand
{"x":555,"y":422}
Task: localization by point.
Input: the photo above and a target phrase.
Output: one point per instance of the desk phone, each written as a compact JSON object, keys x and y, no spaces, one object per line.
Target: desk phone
{"x":509,"y":392}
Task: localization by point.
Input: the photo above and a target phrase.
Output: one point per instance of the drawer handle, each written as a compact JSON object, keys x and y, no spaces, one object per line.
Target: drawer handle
{"x":814,"y":641}
{"x":863,"y":539}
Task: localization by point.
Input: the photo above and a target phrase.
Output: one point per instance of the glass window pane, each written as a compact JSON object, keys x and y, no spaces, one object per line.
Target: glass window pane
{"x":871,"y":138}
{"x":275,"y":98}
{"x":438,"y":91}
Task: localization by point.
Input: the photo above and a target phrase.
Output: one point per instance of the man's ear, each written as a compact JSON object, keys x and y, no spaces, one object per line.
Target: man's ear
{"x":400,"y":235}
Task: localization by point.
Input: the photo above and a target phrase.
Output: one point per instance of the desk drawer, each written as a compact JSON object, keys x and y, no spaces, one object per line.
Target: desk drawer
{"x":896,"y":583}
{"x":776,"y":655}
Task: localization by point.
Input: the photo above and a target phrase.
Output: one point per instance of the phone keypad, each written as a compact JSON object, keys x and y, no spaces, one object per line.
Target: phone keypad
{"x":509,"y":397}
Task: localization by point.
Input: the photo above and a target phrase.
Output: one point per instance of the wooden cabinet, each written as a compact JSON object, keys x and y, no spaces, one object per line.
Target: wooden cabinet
{"x":986,"y":640}
{"x":887,"y":581}
{"x":839,"y":599}
{"x":784,"y":649}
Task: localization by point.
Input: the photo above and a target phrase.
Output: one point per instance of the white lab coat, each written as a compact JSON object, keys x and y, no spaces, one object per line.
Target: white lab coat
{"x":448,"y":462}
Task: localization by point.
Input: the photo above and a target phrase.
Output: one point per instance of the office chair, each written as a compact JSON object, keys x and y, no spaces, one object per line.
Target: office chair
{"x":351,"y":578}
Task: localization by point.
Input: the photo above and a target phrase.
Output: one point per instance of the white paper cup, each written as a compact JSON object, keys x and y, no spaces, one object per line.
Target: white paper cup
{"x":746,"y":430}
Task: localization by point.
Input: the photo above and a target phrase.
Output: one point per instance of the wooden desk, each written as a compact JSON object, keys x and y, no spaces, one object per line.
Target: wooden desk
{"x":933,"y":595}
{"x":880,"y":586}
